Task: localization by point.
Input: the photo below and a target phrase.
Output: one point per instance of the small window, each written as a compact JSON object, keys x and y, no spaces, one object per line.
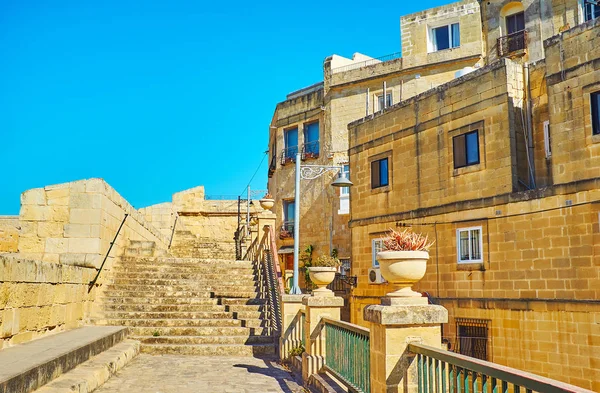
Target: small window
{"x":515,"y":23}
{"x":466,"y":149}
{"x":291,"y":143}
{"x":445,"y":37}
{"x":469,"y":245}
{"x":311,"y":140}
{"x":472,"y":337}
{"x":388,"y":101}
{"x":345,"y":193}
{"x":547,"y":145}
{"x":595,"y":101}
{"x":590,"y":10}
{"x":376,"y":246}
{"x":379,"y":173}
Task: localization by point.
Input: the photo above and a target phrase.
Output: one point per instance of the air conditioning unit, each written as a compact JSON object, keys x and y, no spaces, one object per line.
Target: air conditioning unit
{"x":375,"y":276}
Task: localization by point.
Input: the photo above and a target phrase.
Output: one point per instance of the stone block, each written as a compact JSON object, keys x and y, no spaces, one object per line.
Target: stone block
{"x":34,"y":212}
{"x":96,"y":186}
{"x":85,"y":216}
{"x":78,"y":230}
{"x":36,"y":196}
{"x":56,"y":246}
{"x":85,"y":201}
{"x":31,"y":245}
{"x":50,"y":229}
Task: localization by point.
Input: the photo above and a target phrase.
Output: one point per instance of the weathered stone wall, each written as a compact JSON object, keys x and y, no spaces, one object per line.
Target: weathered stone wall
{"x":573,"y":72}
{"x":416,"y":29}
{"x":9,"y":233}
{"x":161,"y":216}
{"x":37,"y":298}
{"x":74,"y":223}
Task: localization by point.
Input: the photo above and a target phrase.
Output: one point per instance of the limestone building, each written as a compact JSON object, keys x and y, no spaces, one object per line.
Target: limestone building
{"x":501,"y":167}
{"x":314,"y":120}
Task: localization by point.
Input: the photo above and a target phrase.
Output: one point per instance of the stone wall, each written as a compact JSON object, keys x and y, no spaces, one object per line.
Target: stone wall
{"x":9,"y":233}
{"x":37,"y":298}
{"x":74,"y":223}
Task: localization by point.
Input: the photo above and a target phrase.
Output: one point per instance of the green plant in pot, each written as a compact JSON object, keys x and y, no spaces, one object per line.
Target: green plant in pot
{"x":404,"y":260}
{"x":322,"y":272}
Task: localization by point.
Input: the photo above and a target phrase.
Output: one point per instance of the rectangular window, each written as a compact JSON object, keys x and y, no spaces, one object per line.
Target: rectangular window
{"x":311,"y":140}
{"x":388,"y":101}
{"x":547,"y":146}
{"x":469,"y":245}
{"x":376,"y":246}
{"x":346,"y":172}
{"x":345,"y":193}
{"x":590,"y":10}
{"x":291,"y":143}
{"x":472,"y":337}
{"x":289,"y":211}
{"x":515,"y":23}
{"x":595,"y":101}
{"x":466,"y":149}
{"x":379,"y":173}
{"x":445,"y":37}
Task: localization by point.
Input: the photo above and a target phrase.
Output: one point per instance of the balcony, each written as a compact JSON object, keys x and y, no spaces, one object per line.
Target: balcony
{"x":287,"y":230}
{"x":272,"y":165}
{"x":512,"y":44}
{"x":289,"y":155}
{"x":310,"y":150}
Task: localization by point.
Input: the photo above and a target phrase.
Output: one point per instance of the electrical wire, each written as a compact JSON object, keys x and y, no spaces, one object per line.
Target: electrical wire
{"x":255,"y":172}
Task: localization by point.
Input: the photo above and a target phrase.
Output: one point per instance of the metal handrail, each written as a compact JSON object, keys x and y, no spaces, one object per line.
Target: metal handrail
{"x":93,"y":282}
{"x":173,"y":230}
{"x":348,"y":326}
{"x":464,"y":371}
{"x":369,"y":62}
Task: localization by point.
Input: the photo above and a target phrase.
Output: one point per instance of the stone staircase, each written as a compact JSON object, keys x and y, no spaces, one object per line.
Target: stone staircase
{"x":194,"y":304}
{"x":186,"y":244}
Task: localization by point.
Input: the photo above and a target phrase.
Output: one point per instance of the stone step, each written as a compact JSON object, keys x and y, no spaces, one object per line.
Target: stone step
{"x":141,"y":244}
{"x":174,"y":322}
{"x":221,"y":271}
{"x":26,"y":367}
{"x":182,"y":276}
{"x":209,"y":350}
{"x":195,"y":340}
{"x":134,"y":252}
{"x":143,"y":307}
{"x":186,"y":294}
{"x":185,"y":261}
{"x":160,"y":300}
{"x":93,"y":373}
{"x":182,"y":287}
{"x":224,"y":281}
{"x":198,"y":331}
{"x":168,"y":315}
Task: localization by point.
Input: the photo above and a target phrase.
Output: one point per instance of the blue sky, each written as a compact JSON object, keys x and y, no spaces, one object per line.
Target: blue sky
{"x":160,"y":96}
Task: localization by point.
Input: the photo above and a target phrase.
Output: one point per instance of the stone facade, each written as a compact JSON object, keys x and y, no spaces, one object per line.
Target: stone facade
{"x":9,"y":233}
{"x":351,"y":89}
{"x":534,"y":287}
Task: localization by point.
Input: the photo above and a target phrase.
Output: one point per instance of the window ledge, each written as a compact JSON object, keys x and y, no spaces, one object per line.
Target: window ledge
{"x":470,"y":266}
{"x":444,"y":50}
{"x":467,"y":169}
{"x":381,"y":189}
{"x":596,"y":138}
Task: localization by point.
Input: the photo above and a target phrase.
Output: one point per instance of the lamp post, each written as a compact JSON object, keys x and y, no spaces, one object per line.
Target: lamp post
{"x":309,"y":172}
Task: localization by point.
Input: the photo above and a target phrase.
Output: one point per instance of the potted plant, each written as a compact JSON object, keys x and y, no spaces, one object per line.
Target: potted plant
{"x":267,"y":202}
{"x":404,"y":260}
{"x":322,"y":272}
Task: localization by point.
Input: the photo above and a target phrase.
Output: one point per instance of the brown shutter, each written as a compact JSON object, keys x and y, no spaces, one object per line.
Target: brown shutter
{"x":460,"y":151}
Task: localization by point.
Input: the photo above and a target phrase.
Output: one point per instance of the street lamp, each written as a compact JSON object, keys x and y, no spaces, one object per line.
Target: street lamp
{"x":309,"y":172}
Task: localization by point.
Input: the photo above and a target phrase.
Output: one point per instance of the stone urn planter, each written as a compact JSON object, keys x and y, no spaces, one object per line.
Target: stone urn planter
{"x":403,"y":268}
{"x":322,"y":276}
{"x":267,"y":203}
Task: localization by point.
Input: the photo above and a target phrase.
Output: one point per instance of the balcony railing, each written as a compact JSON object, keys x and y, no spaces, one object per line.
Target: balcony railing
{"x":368,"y":62}
{"x":289,"y":155}
{"x":310,"y":150}
{"x":512,"y":43}
{"x":440,"y":370}
{"x":347,"y":353}
{"x":287,"y":230}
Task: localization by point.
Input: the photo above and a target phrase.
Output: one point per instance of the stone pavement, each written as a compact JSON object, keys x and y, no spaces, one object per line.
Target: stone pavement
{"x":201,"y":374}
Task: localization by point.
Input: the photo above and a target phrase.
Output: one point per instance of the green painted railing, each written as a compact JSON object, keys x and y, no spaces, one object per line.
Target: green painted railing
{"x":302,"y":320}
{"x":443,"y":371}
{"x":347,"y":353}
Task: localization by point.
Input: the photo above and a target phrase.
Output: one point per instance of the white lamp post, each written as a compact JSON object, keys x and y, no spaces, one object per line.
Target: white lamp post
{"x":309,"y":172}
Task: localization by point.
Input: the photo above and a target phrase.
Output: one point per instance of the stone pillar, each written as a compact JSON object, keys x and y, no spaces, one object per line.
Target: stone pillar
{"x":290,"y":329}
{"x":265,"y":218}
{"x":394,"y":324}
{"x":317,"y":307}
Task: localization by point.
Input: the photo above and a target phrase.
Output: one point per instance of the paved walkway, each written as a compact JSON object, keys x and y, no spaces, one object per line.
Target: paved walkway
{"x":201,"y":374}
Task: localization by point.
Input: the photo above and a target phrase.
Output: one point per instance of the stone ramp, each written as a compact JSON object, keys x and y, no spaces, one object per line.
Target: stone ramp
{"x":29,"y":366}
